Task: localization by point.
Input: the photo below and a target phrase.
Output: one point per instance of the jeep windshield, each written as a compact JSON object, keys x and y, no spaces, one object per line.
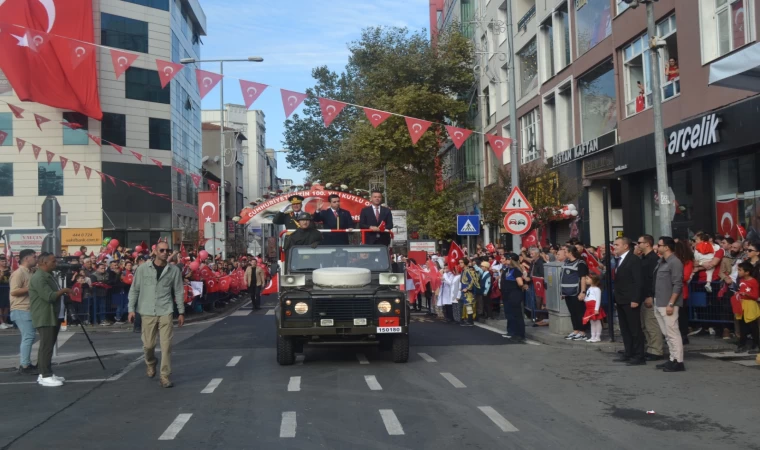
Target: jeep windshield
{"x":306,"y":259}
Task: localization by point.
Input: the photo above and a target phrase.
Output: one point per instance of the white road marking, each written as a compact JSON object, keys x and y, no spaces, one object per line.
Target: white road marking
{"x":427,"y":357}
{"x":126,"y":369}
{"x":498,"y":419}
{"x":362,"y":358}
{"x":63,"y":336}
{"x":453,"y":380}
{"x":391,"y":422}
{"x":730,"y":354}
{"x":300,"y":359}
{"x":496,"y":330}
{"x":747,"y":363}
{"x":295,"y":384}
{"x":175,"y":427}
{"x":288,"y":425}
{"x":242,"y":312}
{"x":233,"y":362}
{"x":372,"y":383}
{"x":92,"y":380}
{"x":211,"y":386}
{"x":270,"y":313}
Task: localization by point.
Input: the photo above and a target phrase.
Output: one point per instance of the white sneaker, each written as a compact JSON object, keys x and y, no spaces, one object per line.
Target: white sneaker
{"x":56,"y":377}
{"x":49,"y":382}
{"x":712,"y":331}
{"x":708,"y":288}
{"x":5,"y":326}
{"x":571,"y":336}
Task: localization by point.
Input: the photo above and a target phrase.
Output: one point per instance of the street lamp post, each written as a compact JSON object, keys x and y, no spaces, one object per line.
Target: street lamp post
{"x":222,"y":201}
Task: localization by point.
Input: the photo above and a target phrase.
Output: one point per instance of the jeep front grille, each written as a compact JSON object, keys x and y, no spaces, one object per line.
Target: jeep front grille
{"x":344,"y":308}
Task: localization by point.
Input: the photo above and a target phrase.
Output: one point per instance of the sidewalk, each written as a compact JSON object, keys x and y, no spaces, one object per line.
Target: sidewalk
{"x":702,"y":343}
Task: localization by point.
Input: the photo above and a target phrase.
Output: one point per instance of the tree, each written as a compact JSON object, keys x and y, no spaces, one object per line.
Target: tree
{"x":389,"y":69}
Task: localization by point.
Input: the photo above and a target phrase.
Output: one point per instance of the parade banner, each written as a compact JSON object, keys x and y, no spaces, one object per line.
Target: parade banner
{"x":267,"y":209}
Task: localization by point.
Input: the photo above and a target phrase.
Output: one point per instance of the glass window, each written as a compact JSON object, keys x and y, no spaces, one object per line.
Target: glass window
{"x":563,"y":35}
{"x":731,"y":21}
{"x":681,"y":183}
{"x":6,"y":125}
{"x":114,"y":128}
{"x":160,"y":134}
{"x":6,"y":180}
{"x":5,"y":86}
{"x":50,"y":179}
{"x":598,"y":98}
{"x":175,"y":48}
{"x":124,"y":33}
{"x":6,"y":220}
{"x":737,"y":178}
{"x":78,"y":136}
{"x":143,"y":84}
{"x":529,"y":136}
{"x":547,"y":49}
{"x":593,"y":23}
{"x":621,"y":6}
{"x":528,"y":58}
{"x":158,"y":4}
{"x":307,"y":259}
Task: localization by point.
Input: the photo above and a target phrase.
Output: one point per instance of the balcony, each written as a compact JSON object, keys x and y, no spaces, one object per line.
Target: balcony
{"x":522,"y":25}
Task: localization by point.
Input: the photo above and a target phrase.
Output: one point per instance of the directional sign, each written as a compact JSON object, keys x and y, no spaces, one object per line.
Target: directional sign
{"x":468,"y":225}
{"x":516,"y":201}
{"x":518,"y":222}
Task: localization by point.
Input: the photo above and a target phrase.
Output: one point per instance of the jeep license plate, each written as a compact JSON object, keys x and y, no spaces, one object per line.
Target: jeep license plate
{"x":388,"y":330}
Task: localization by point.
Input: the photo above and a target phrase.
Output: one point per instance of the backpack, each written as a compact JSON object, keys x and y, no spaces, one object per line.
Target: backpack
{"x":571,"y":278}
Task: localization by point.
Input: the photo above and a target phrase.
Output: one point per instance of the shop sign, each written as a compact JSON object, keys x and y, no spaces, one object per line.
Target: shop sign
{"x":589,"y":148}
{"x":695,"y":136}
{"x":422,"y":246}
{"x":598,"y":164}
{"x":23,"y":239}
{"x":81,"y":236}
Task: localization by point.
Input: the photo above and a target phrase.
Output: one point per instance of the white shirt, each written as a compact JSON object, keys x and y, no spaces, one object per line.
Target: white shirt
{"x":622,"y":257}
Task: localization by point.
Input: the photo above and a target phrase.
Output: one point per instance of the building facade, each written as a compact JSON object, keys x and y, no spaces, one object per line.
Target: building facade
{"x":161,"y":124}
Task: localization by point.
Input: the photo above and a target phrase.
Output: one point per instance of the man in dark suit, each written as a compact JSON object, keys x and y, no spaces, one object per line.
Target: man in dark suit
{"x":290,"y":220}
{"x":374,"y":217}
{"x":334,"y":218}
{"x":628,"y":298}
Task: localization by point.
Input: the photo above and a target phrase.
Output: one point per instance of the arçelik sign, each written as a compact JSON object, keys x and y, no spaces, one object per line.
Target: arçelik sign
{"x":694,"y":136}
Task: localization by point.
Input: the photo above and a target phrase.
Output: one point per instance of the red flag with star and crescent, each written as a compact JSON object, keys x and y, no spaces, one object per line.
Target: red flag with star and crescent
{"x":208,"y":209}
{"x":455,"y":254}
{"x":38,"y":64}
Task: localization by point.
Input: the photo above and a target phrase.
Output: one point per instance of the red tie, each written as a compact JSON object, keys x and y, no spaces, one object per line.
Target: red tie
{"x":377,"y":215}
{"x":335,"y":212}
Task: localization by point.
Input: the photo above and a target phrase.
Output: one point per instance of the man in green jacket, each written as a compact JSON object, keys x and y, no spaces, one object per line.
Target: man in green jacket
{"x":45,"y":307}
{"x":155,"y":285}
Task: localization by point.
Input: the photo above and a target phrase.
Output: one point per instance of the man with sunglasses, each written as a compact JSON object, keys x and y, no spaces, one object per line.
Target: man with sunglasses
{"x":652,"y":332}
{"x":156,"y":284}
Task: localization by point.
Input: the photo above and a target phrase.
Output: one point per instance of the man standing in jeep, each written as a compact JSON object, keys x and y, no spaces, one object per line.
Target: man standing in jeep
{"x":304,"y":235}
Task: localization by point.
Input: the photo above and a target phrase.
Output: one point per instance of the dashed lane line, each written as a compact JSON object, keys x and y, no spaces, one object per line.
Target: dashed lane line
{"x":211,"y":386}
{"x":498,"y":419}
{"x":427,"y":357}
{"x":372,"y":383}
{"x":233,"y":362}
{"x":288,"y":425}
{"x":362,"y":358}
{"x":496,"y":330}
{"x":242,"y":312}
{"x":295,"y":384}
{"x":270,"y":312}
{"x":175,"y":427}
{"x":126,"y":369}
{"x":453,"y":380}
{"x":392,"y":425}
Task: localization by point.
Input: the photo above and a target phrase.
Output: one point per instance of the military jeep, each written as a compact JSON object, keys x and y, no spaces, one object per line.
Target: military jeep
{"x":335,"y":295}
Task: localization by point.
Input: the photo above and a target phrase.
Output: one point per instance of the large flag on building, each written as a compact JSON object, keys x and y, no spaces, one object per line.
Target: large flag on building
{"x":208,"y":209}
{"x":38,"y":63}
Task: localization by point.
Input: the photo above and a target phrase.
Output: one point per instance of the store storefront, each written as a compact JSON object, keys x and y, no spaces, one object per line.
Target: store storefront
{"x":713,"y":167}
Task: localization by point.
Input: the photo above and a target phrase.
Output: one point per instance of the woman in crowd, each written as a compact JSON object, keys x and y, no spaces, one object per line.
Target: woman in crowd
{"x":446,"y":296}
{"x":573,"y":283}
{"x":686,"y":256}
{"x":512,"y":296}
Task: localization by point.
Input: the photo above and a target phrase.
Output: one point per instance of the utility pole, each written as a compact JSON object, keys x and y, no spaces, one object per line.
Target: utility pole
{"x":514,"y":163}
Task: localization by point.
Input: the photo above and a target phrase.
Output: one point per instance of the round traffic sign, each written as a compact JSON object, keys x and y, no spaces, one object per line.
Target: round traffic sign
{"x":518,"y":222}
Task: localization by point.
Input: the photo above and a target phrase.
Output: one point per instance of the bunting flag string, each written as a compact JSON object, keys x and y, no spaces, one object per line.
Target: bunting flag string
{"x":95,"y":139}
{"x":167,"y":70}
{"x":16,"y":111}
{"x":40,"y":120}
{"x":36,"y":150}
{"x":50,"y":156}
{"x":417,"y":127}
{"x":196,"y":179}
{"x":291,"y":101}
{"x":122,"y":61}
{"x":206,"y":81}
{"x":498,"y":144}
{"x":3,"y":136}
{"x":76,"y":167}
{"x":118,"y":148}
{"x":20,"y":143}
{"x":139,"y":156}
{"x":80,"y":51}
{"x":251,"y":91}
{"x":330,"y":109}
{"x":87,"y":171}
{"x":458,"y":135}
{"x":158,"y":163}
{"x":64,"y":160}
{"x":376,"y":117}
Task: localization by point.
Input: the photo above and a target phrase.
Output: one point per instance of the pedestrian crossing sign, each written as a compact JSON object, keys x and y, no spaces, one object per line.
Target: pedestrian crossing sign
{"x":468,"y":225}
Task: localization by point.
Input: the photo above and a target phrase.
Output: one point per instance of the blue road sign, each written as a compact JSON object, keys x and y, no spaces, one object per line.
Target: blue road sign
{"x":468,"y":225}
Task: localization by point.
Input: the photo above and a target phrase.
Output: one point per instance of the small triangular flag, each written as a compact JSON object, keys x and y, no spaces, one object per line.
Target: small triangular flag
{"x":291,"y":101}
{"x":40,"y":120}
{"x":251,"y":91}
{"x":206,"y":81}
{"x":498,"y":144}
{"x":80,"y":51}
{"x":16,"y":111}
{"x":87,"y":171}
{"x":375,"y":116}
{"x":102,"y":176}
{"x":167,"y":70}
{"x":458,"y":135}
{"x":417,"y":128}
{"x":71,"y":125}
{"x":139,"y":156}
{"x":95,"y":139}
{"x":36,"y":39}
{"x":330,"y":109}
{"x":76,"y":167}
{"x":118,"y":148}
{"x":196,"y":179}
{"x":180,"y":171}
{"x":20,"y":143}
{"x":122,"y":61}
{"x":113,"y":180}
{"x":50,"y":156}
{"x":3,"y":136}
{"x":36,"y":150}
{"x":64,"y":160}
{"x":158,"y":163}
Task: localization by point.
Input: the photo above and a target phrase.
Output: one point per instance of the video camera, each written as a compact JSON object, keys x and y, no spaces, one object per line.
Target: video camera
{"x":68,"y":265}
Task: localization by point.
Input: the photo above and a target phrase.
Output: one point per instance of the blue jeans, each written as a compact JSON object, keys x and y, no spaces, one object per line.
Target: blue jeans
{"x":98,"y":309}
{"x":120,"y":300}
{"x":23,"y":321}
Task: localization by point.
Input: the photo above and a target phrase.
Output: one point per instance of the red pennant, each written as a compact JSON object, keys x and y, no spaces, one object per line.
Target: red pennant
{"x":95,"y":139}
{"x":180,"y":171}
{"x":80,"y":51}
{"x":330,"y":109}
{"x":196,"y":179}
{"x":35,"y":39}
{"x":76,"y":167}
{"x":167,"y":70}
{"x":458,"y":135}
{"x":206,"y":81}
{"x":376,"y":117}
{"x":158,"y":163}
{"x":3,"y":136}
{"x":87,"y":171}
{"x":40,"y":120}
{"x":20,"y":143}
{"x":251,"y":91}
{"x":64,"y":160}
{"x":122,"y":61}
{"x":50,"y":156}
{"x":36,"y":150}
{"x":71,"y":125}
{"x":113,"y":180}
{"x":213,"y":185}
{"x":16,"y":111}
{"x":498,"y":144}
{"x":139,"y":156}
{"x":417,"y":128}
{"x":291,"y":101}
{"x":102,"y":176}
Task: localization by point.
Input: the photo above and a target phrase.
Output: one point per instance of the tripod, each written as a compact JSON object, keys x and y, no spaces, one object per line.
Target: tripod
{"x":84,"y":330}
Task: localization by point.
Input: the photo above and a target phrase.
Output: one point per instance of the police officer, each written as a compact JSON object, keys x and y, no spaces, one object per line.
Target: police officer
{"x":304,"y":235}
{"x":290,"y":220}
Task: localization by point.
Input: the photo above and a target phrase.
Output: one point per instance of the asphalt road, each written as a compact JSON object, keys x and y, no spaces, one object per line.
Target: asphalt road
{"x":463,"y":388}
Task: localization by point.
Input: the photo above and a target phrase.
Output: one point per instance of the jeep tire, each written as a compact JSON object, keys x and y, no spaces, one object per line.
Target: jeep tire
{"x":286,"y":355}
{"x":401,"y":348}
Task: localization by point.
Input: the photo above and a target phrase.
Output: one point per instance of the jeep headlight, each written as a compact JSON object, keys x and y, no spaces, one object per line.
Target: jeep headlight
{"x":303,"y":308}
{"x":384,"y":307}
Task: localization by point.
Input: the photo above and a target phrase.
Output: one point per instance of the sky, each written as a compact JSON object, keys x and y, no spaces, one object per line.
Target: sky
{"x":293,"y":37}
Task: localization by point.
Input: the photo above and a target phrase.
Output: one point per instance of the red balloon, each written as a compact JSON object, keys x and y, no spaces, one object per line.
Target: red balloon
{"x":113,"y":243}
{"x":203,"y":254}
{"x":194,"y":265}
{"x":139,"y":249}
{"x":78,"y":253}
{"x":135,"y":255}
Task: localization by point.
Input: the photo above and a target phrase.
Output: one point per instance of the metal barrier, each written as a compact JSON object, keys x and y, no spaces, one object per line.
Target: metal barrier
{"x":707,"y":307}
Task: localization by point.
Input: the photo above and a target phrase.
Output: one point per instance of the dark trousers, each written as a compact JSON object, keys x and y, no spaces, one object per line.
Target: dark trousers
{"x":629,"y":320}
{"x":448,"y":312}
{"x":576,"y":308}
{"x":513,"y":309}
{"x":749,"y":328}
{"x":48,"y":336}
{"x":255,"y":293}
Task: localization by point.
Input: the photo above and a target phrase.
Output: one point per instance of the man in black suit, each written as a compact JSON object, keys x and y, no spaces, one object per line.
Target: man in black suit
{"x":373,"y":217}
{"x":334,"y":218}
{"x":628,"y":298}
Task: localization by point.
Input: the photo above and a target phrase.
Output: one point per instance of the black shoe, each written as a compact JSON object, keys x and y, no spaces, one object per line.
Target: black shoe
{"x":636,"y":362}
{"x":28,"y":370}
{"x":675,"y":367}
{"x":651,"y":357}
{"x":621,"y":352}
{"x":685,"y":340}
{"x":741,"y":349}
{"x":622,"y":359}
{"x":667,"y":363}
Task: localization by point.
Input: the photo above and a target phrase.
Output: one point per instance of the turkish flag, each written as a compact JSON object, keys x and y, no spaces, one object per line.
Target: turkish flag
{"x":167,"y":70}
{"x":224,"y":284}
{"x":208,"y":209}
{"x":727,"y":213}
{"x":539,"y":287}
{"x":272,"y":287}
{"x":591,"y":262}
{"x":36,"y":59}
{"x":498,"y":144}
{"x":251,"y":91}
{"x":128,"y":278}
{"x":375,"y":116}
{"x":206,"y":81}
{"x":417,"y":128}
{"x":455,"y":254}
{"x":435,"y":275}
{"x":530,"y":239}
{"x":291,"y":101}
{"x":458,"y":135}
{"x":330,"y":109}
{"x":212,"y":286}
{"x":196,"y":179}
{"x":76,"y":293}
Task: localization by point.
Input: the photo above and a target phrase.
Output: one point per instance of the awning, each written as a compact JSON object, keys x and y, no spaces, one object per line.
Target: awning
{"x":738,"y":71}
